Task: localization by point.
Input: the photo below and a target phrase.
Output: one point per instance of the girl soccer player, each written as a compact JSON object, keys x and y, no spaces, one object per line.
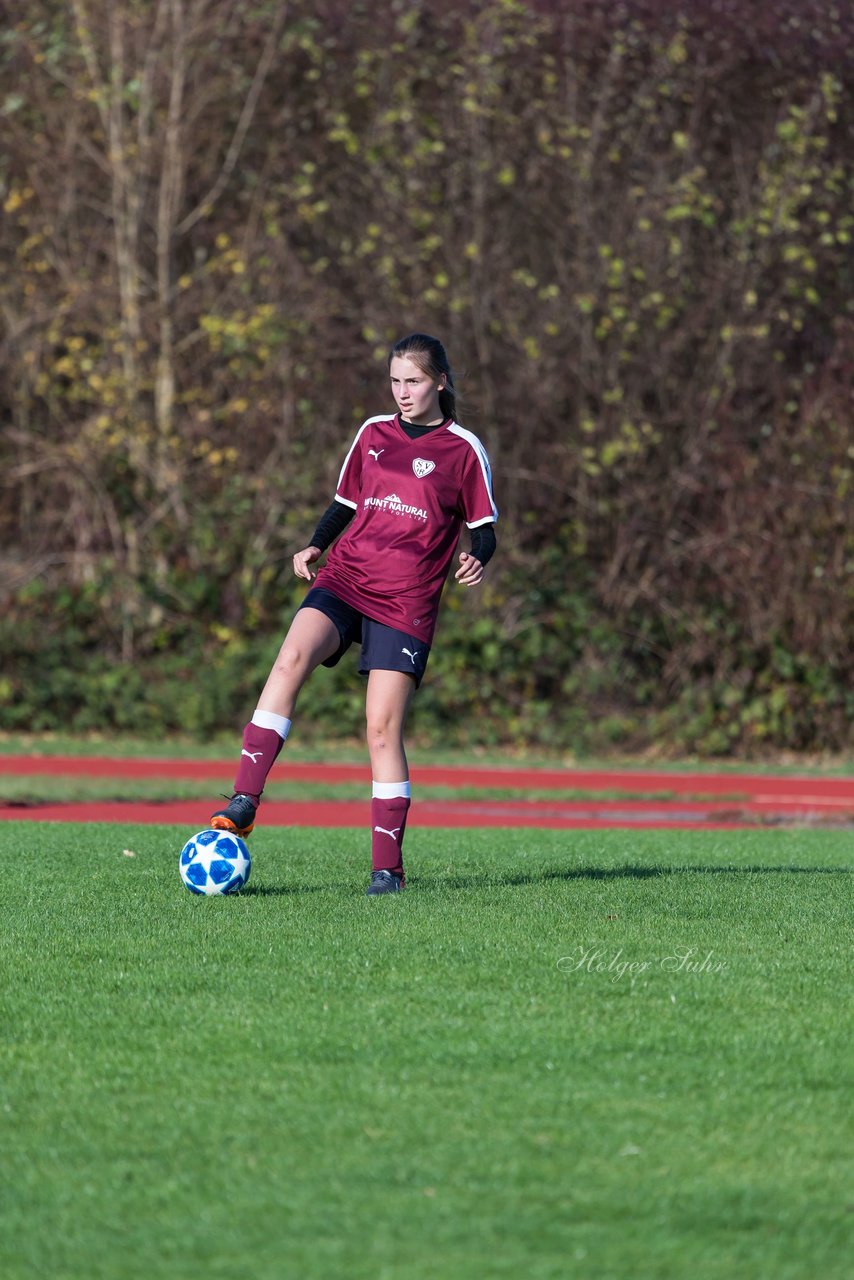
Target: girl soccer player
{"x":408,"y":483}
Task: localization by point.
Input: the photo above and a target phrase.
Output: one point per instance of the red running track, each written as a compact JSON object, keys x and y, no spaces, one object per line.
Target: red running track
{"x":750,"y":799}
{"x":355,"y":813}
{"x":741,"y":786}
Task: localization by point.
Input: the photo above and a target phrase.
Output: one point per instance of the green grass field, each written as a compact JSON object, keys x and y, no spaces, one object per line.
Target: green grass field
{"x":308,"y":744}
{"x":512,"y":1070}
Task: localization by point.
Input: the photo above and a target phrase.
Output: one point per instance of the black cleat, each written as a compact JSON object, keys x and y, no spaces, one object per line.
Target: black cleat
{"x":385,"y":882}
{"x":238,"y":816}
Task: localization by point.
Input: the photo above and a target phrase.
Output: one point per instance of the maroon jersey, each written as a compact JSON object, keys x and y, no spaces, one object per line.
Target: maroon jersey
{"x":411,"y":498}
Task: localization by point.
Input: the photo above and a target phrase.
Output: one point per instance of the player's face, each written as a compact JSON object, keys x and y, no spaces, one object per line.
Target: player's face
{"x":415,"y":392}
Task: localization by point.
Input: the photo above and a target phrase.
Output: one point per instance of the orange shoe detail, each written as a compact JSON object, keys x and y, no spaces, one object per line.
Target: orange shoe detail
{"x":220,"y":823}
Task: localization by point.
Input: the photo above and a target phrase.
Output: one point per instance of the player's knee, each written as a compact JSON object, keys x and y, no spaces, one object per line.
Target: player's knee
{"x":290,"y":662}
{"x":381,"y":730}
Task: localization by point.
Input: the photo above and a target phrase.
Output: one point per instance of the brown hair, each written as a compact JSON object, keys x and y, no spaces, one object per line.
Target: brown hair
{"x":429,"y":354}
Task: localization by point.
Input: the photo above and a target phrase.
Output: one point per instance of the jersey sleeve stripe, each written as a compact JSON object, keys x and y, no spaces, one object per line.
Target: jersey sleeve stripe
{"x":356,"y":439}
{"x":475,"y":524}
{"x":480,"y":453}
{"x":380,"y":417}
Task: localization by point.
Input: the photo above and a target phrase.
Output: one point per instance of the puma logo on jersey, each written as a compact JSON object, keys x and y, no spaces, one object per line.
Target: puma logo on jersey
{"x":385,"y":832}
{"x":253,"y":755}
{"x":375,"y":453}
{"x":411,"y":655}
{"x":422,"y":467}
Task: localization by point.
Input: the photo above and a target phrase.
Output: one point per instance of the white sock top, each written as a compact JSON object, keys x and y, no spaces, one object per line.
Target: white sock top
{"x":269,"y":720}
{"x":389,"y":790}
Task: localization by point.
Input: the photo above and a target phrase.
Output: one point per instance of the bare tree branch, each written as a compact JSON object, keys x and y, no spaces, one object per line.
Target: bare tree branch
{"x":204,"y":207}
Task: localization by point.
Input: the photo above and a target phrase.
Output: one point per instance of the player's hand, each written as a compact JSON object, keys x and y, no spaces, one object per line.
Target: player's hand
{"x":303,"y":559}
{"x":470,"y":572}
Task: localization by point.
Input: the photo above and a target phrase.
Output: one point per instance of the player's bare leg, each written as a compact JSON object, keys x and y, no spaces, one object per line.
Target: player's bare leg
{"x":386,"y":706}
{"x":312,"y":637}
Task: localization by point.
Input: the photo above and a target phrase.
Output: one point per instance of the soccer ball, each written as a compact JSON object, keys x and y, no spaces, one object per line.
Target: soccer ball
{"x":214,"y":862}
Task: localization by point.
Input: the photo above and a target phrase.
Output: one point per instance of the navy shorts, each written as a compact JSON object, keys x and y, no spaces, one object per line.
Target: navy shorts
{"x":383,"y":648}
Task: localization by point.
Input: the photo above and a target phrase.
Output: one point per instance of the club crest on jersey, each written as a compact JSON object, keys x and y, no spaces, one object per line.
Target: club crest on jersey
{"x":422,"y":467}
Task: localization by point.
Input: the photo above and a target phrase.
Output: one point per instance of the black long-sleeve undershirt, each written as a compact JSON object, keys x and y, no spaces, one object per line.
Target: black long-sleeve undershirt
{"x":333,"y":522}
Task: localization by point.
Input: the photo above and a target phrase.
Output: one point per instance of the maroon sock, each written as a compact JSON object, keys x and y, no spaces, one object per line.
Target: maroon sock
{"x":388,"y":824}
{"x":260,"y":749}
